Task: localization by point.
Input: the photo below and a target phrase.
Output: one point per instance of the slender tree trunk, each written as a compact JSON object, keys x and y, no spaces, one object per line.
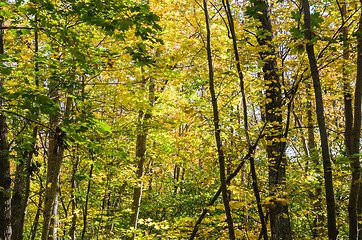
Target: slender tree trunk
{"x":348,"y":134}
{"x":35,"y":225}
{"x":327,"y":166}
{"x":245,"y":118}
{"x":229,"y":178}
{"x":104,"y":206}
{"x":264,"y":230}
{"x":5,"y":180}
{"x":314,"y":156}
{"x":141,"y":144}
{"x":279,"y":216}
{"x":74,"y":198}
{"x":85,"y":213}
{"x":357,"y":128}
{"x":220,"y":151}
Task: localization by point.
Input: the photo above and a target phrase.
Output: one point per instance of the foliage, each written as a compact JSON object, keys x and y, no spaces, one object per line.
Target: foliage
{"x":104,"y":55}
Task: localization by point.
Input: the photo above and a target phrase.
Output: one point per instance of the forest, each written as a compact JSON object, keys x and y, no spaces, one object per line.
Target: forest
{"x":180,"y":119}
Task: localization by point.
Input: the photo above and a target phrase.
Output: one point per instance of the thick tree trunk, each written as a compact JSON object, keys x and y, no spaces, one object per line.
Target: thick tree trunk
{"x":5,"y":180}
{"x":278,"y":212}
{"x":219,"y":145}
{"x":327,"y":166}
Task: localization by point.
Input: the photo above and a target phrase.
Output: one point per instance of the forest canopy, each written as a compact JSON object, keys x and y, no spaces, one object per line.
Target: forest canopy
{"x":200,"y":119}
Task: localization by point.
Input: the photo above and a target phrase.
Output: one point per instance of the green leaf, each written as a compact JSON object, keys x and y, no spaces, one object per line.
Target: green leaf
{"x":316,"y":20}
{"x":296,"y":33}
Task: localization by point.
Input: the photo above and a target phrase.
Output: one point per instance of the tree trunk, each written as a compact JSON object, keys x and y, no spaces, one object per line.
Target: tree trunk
{"x":85,"y":213}
{"x":55,"y":158}
{"x":327,"y":166}
{"x":220,"y":151}
{"x":23,"y":173}
{"x":245,"y":118}
{"x":348,"y":134}
{"x":74,"y":199}
{"x":143,"y":119}
{"x":314,"y":156}
{"x":19,"y":201}
{"x":35,"y":224}
{"x":279,"y":216}
{"x":357,"y":127}
{"x":5,"y":180}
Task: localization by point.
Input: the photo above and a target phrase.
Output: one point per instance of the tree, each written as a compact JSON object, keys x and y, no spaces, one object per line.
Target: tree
{"x":331,"y":214}
{"x":141,"y":145}
{"x":275,"y":147}
{"x":131,"y":120}
{"x":217,"y":130}
{"x":5,"y":180}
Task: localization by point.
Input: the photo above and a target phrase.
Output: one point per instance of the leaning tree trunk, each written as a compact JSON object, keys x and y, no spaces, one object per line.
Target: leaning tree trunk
{"x":5,"y":180}
{"x":229,"y":218}
{"x":275,"y":147}
{"x":327,"y":166}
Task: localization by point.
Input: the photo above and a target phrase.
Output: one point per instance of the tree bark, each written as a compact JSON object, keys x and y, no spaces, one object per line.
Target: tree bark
{"x":5,"y":180}
{"x":74,"y":198}
{"x":357,"y":128}
{"x":245,"y":118}
{"x":141,"y":144}
{"x":85,"y":213}
{"x":55,"y":158}
{"x":314,"y":156}
{"x":19,"y":201}
{"x":327,"y":166}
{"x":21,"y":192}
{"x":35,"y":224}
{"x":279,"y":216}
{"x":217,"y":131}
{"x":349,"y":137}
